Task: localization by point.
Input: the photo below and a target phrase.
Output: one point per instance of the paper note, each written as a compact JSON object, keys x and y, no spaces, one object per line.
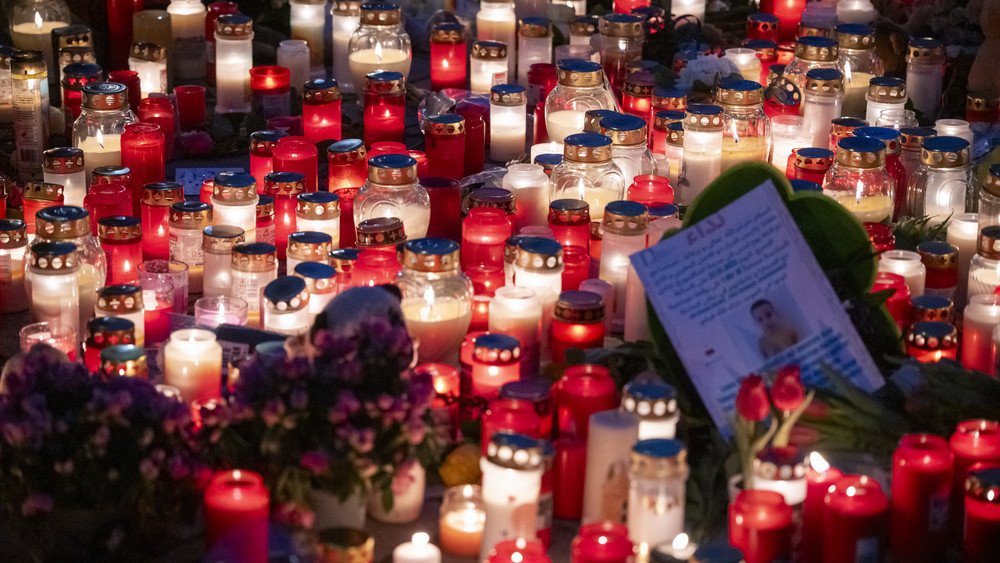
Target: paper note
{"x":192,"y":178}
{"x":740,"y":292}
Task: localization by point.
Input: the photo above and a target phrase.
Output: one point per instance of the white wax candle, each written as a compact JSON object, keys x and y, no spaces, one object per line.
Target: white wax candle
{"x":87,"y":284}
{"x":291,"y":323}
{"x":193,"y":364}
{"x":507,"y":133}
{"x":545,"y":148}
{"x":242,"y":216}
{"x":37,"y":36}
{"x":498,"y":25}
{"x":55,"y":299}
{"x":871,"y":209}
{"x":510,"y":500}
{"x":636,"y":320}
{"x":517,"y":312}
{"x":74,"y":186}
{"x":794,"y":490}
{"x":438,"y":327}
{"x":563,"y":123}
{"x":963,"y":231}
{"x":980,"y":320}
{"x":343,"y":27}
{"x":367,"y":61}
{"x":307,"y":22}
{"x":606,"y":481}
{"x":954,"y":128}
{"x":855,"y":89}
{"x":293,"y":54}
{"x":698,"y":171}
{"x":487,"y":73}
{"x":746,"y":61}
{"x":907,"y":264}
{"x":607,"y":293}
{"x":101,"y":150}
{"x":419,"y":550}
{"x":530,"y":186}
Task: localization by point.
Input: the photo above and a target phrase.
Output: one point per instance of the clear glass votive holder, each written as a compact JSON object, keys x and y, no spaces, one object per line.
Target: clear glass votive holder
{"x":171,"y":271}
{"x":897,"y":119}
{"x":220,"y":309}
{"x":59,"y":336}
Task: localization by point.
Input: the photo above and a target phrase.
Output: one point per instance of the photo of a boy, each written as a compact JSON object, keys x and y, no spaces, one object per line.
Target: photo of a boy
{"x":776,"y":334}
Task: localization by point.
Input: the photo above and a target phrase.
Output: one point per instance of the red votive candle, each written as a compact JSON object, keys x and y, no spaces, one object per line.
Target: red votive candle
{"x":576,"y":267}
{"x":541,"y":81}
{"x":385,"y":107}
{"x":269,"y":89}
{"x":518,"y":551}
{"x":880,"y":236}
{"x":130,"y":79}
{"x":261,"y":154}
{"x":496,"y":360}
{"x":380,"y":234}
{"x":476,"y":118}
{"x":444,"y":143}
{"x":539,"y":394}
{"x":374,"y":267}
{"x":106,"y":200}
{"x":981,"y":109}
{"x":160,"y":111}
{"x":898,"y":303}
{"x":236,"y":514}
{"x":74,"y":77}
{"x":626,"y":6}
{"x":788,"y":12}
{"x":651,"y":190}
{"x":974,"y":441}
{"x":510,"y":415}
{"x":819,"y":477}
{"x":760,"y":525}
{"x":446,"y":207}
{"x":582,"y":391}
{"x":601,"y":542}
{"x":121,"y":238}
{"x":449,"y":61}
{"x":982,"y":520}
{"x":103,"y":332}
{"x":763,"y":26}
{"x":921,"y":486}
{"x":155,"y":212}
{"x":854,"y":522}
{"x":637,"y":97}
{"x":445,"y":380}
{"x":569,"y":220}
{"x":809,"y":163}
{"x":285,"y":188}
{"x":348,"y":169}
{"x":569,"y":465}
{"x":120,"y":29}
{"x":930,"y":341}
{"x":321,"y":110}
{"x":191,"y":102}
{"x":144,"y":153}
{"x":290,"y":124}
{"x":206,"y":190}
{"x":577,"y":322}
{"x":484,"y":233}
{"x":38,"y":196}
{"x":297,"y":154}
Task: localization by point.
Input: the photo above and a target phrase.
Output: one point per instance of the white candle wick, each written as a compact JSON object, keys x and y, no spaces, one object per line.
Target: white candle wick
{"x":378,"y":52}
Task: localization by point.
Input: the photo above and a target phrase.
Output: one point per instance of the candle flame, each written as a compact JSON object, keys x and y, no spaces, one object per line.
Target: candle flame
{"x":378,"y":52}
{"x":100,"y":139}
{"x":602,"y":540}
{"x":858,"y":191}
{"x":516,"y":557}
{"x":847,"y":71}
{"x":991,"y":495}
{"x":38,"y":20}
{"x":421,"y":538}
{"x":818,"y":462}
{"x":735,"y":133}
{"x":521,"y":543}
{"x":236,"y":474}
{"x":680,"y":542}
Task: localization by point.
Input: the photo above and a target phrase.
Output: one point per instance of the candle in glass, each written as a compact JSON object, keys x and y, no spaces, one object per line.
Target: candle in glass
{"x":385,"y":107}
{"x":760,"y":525}
{"x":236,"y":516}
{"x":32,"y":23}
{"x":582,"y":391}
{"x":294,"y":55}
{"x":446,"y":203}
{"x":510,"y":415}
{"x":530,"y":186}
{"x":624,"y":225}
{"x":884,"y":94}
{"x":924,"y":70}
{"x":475,"y":135}
{"x":982,"y":525}
{"x":103,"y":117}
{"x":233,"y":61}
{"x":655,"y":403}
{"x":30,"y":101}
{"x":538,"y":266}
{"x":938,"y":189}
{"x":13,"y":245}
{"x":321,"y":110}
{"x":123,"y":360}
{"x":496,"y":21}
{"x":963,"y":230}
{"x":534,"y":45}
{"x":569,"y":220}
{"x":859,"y":182}
{"x":984,"y":270}
{"x":254,"y":265}
{"x":822,"y":99}
{"x":462,"y":520}
{"x":285,"y":188}
{"x":980,"y":108}
{"x":819,"y":478}
{"x":444,"y":142}
{"x":286,"y":306}
{"x":158,"y":304}
{"x":941,"y":263}
{"x":487,"y":66}
{"x":657,"y":474}
{"x":103,"y":332}
{"x":393,"y":190}
{"x":234,"y":201}
{"x":143,"y":152}
{"x":270,"y":91}
{"x":609,"y":445}
{"x":512,"y":479}
{"x":912,"y":142}
{"x":495,"y":361}
{"x":975,"y":444}
{"x":346,"y":17}
{"x":124,"y":301}
{"x":297,"y":154}
{"x":306,"y":246}
{"x":703,"y":139}
{"x":6,"y":109}
{"x":448,"y":58}
{"x":149,"y":61}
{"x":64,"y":166}
{"x":379,"y":43}
{"x":187,"y":220}
{"x":918,"y":509}
{"x":602,"y":542}
{"x":762,"y":25}
{"x":348,"y":170}
{"x":321,"y":284}
{"x":854,"y":520}
{"x":220,"y":309}
{"x":120,"y":238}
{"x":217,"y":245}
{"x":187,"y":24}
{"x":215,"y":9}
{"x":265,"y":219}
{"x":262,"y":145}
{"x":507,"y":122}
{"x":155,"y":205}
{"x":52,"y":285}
{"x":307,"y":19}
{"x":75,"y":77}
{"x":320,"y":212}
{"x":159,"y":110}
{"x":621,"y":37}
{"x":484,"y":232}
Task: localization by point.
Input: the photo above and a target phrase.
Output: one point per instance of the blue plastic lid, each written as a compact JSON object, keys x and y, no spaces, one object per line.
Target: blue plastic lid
{"x":763,"y":17}
{"x":706,"y":109}
{"x":825,"y":74}
{"x":669,"y":92}
{"x":284,"y":177}
{"x":345,"y":253}
{"x":81,"y":70}
{"x":190,"y":206}
{"x":534,"y":390}
{"x":881,"y":133}
{"x":665,"y":210}
{"x":432,"y":246}
{"x":61,"y":213}
{"x":671,"y":114}
{"x":310,"y":237}
{"x":861,"y":144}
{"x":818,"y":42}
{"x":11,"y":224}
{"x":549,"y":159}
{"x":496,"y":341}
{"x":264,"y":199}
{"x":739,"y":85}
{"x":651,"y":390}
{"x":658,"y":447}
{"x":119,"y":290}
{"x":379,"y":7}
{"x":119,"y":221}
{"x":320,"y":84}
{"x":626,"y":208}
{"x":449,"y":118}
{"x":814,"y":152}
{"x":284,"y":288}
{"x":541,"y":245}
{"x":935,"y":144}
{"x":267,"y":135}
{"x":622,"y":122}
{"x":318,"y":197}
{"x":589,"y":140}
{"x":235,"y":19}
{"x":108,"y":324}
{"x":255,"y":248}
{"x":578,"y":65}
{"x":345,"y":145}
{"x":759,"y":44}
{"x":805,"y":186}
{"x":930,"y":302}
{"x":384,"y":76}
{"x":887,"y":81}
{"x":121,"y":353}
{"x":315,"y":270}
{"x":393,"y":161}
{"x":925,"y":42}
{"x":104,"y":88}
{"x":860,"y":29}
{"x":234,"y":179}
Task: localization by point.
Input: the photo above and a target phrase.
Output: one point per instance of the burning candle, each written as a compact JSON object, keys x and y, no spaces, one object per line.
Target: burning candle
{"x":103,"y":332}
{"x":321,"y":284}
{"x":306,"y":20}
{"x":921,"y":485}
{"x":497,"y":22}
{"x":236,"y":515}
{"x":234,"y":201}
{"x":657,"y":474}
{"x":379,"y":43}
{"x":973,"y":442}
{"x":13,"y":245}
{"x":233,"y":61}
{"x":602,"y":542}
{"x":120,"y":238}
{"x":760,"y":524}
{"x":609,"y":444}
{"x":924,"y":70}
{"x":149,"y":61}
{"x":495,"y":360}
{"x":534,"y":45}
{"x":51,"y":281}
{"x":321,"y":110}
{"x":448,"y":59}
{"x":393,"y":190}
{"x":155,"y":204}
{"x":262,"y":145}
{"x":982,"y":507}
{"x":346,"y":17}
{"x":981,"y":318}
{"x":462,"y":520}
{"x":187,"y":220}
{"x":124,"y":301}
{"x":819,"y":478}
{"x":385,"y":107}
{"x":220,"y":309}
{"x":286,"y":306}
{"x":193,"y":364}
{"x":143,"y":152}
{"x":254,"y":265}
{"x":187,"y":23}
{"x":446,"y":203}
{"x":123,"y":360}
{"x":297,"y":154}
{"x":929,"y":342}
{"x":30,"y":100}
{"x":855,"y":520}
{"x":284,"y":187}
{"x":97,"y":132}
{"x":655,"y":403}
{"x":487,"y":66}
{"x":578,"y":322}
{"x":444,"y":142}
{"x":703,"y":139}
{"x":507,"y":122}
{"x":518,"y":551}
{"x":484,"y":232}
{"x":512,"y":480}
{"x":582,"y":391}
{"x":621,"y":37}
{"x":270,"y":88}
{"x":306,"y":246}
{"x":419,"y":550}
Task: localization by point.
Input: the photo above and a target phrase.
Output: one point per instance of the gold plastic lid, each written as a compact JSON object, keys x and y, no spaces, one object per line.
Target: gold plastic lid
{"x":945,"y":152}
{"x":445,"y":124}
{"x":703,"y":117}
{"x":234,"y":25}
{"x":580,"y":73}
{"x":119,"y":228}
{"x":860,"y":152}
{"x":587,"y":147}
{"x":287,"y":184}
{"x":938,"y":255}
{"x":534,"y":27}
{"x":539,"y":254}
{"x":350,"y":8}
{"x":659,"y":458}
{"x":71,"y":55}
{"x":766,"y":50}
{"x":824,"y":81}
{"x":255,"y":257}
{"x":75,"y":35}
{"x":62,"y":222}
{"x":665,"y":117}
{"x":819,"y":49}
{"x":887,"y":90}
{"x":124,"y":360}
{"x":638,"y":85}
{"x":317,"y":206}
{"x":579,"y":307}
{"x":675,"y":134}
{"x":569,"y":212}
{"x":514,"y":451}
{"x":845,"y":126}
{"x":669,"y":98}
{"x":190,"y":215}
{"x":320,"y":91}
{"x":221,"y":238}
{"x":111,"y":174}
{"x":105,"y":96}
{"x":392,"y":169}
{"x":431,"y":255}
{"x":43,"y":191}
{"x":627,"y":218}
{"x":739,"y":93}
{"x":855,"y":36}
{"x":54,"y":257}
{"x":346,"y":151}
{"x":925,"y":50}
{"x":306,"y":246}
{"x":489,"y":50}
{"x":621,"y":25}
{"x":62,"y":160}
{"x":380,"y":13}
{"x":582,"y":26}
{"x":508,"y":95}
{"x":320,"y":277}
{"x":343,"y":259}
{"x":265,"y":207}
{"x":385,"y":82}
{"x":988,"y":242}
{"x":448,"y":33}
{"x":495,"y":198}
{"x":120,"y":299}
{"x":913,"y":137}
{"x":380,"y":231}
{"x":981,"y":102}
{"x":162,"y":194}
{"x":624,"y":129}
{"x":148,"y":52}
{"x":992,"y":182}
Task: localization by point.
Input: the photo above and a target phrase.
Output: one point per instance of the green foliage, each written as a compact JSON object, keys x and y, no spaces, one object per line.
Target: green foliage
{"x":911,"y":231}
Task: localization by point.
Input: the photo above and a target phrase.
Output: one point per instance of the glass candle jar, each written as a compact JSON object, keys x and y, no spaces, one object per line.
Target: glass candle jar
{"x":13,"y":244}
{"x":912,"y":141}
{"x":286,"y":306}
{"x":855,"y":518}
{"x":103,"y":117}
{"x":893,"y":149}
{"x":320,"y":212}
{"x":747,"y":130}
{"x":220,"y":309}
{"x":321,"y":110}
{"x":859,"y":63}
{"x":270,"y":91}
{"x":746,"y":62}
{"x":989,"y":198}
{"x":487,"y":66}
{"x":321,"y":283}
{"x":159,"y":110}
{"x":577,"y":322}
{"x":123,"y":301}
{"x":121,"y":238}
{"x":908,"y":264}
{"x":448,"y":58}
{"x":955,"y":128}
{"x":516,"y":311}
{"x":187,"y":221}
{"x":924,"y":71}
{"x":261,"y":154}
{"x":657,"y":473}
{"x":284,"y":187}
{"x":437,"y":298}
{"x":761,"y":526}
{"x":980,"y":108}
{"x":393,"y":190}
{"x":265,"y":219}
{"x":348,"y":169}
{"x":155,"y":213}
{"x":515,"y":461}
{"x":123,"y":360}
{"x":569,"y":220}
{"x":530,"y":186}
{"x":444,"y":142}
{"x":810,"y":53}
{"x":66,"y":223}
{"x":508,"y":126}
{"x":30,"y":101}
{"x":379,"y":43}
{"x":858,"y":180}
{"x":75,"y":77}
{"x":343,"y":260}
{"x":149,"y":61}
{"x":475,"y":135}
{"x":637,"y":96}
{"x":193,"y":364}
{"x":212,"y":13}
{"x":984,"y":270}
{"x":297,"y":154}
{"x":510,"y":415}
{"x":629,"y":146}
{"x":385,"y":107}
{"x":484,"y":232}
{"x":624,"y":228}
{"x":980,"y":319}
{"x":534,"y":45}
{"x":921,"y":483}
{"x":822,"y":99}
{"x":217,"y":246}
{"x":580,"y":88}
{"x":307,"y":246}
{"x":588,"y":173}
{"x":382,"y":234}
{"x":6,"y":110}
{"x":462,"y":520}
{"x":51,"y":279}
{"x":938,"y":189}
{"x":38,"y":196}
{"x":307,"y":19}
{"x":254,"y":265}
{"x":809,"y":163}
{"x":703,"y":141}
{"x":234,"y":202}
{"x":931,"y":341}
{"x":346,"y":17}
{"x":885,"y":93}
{"x":843,"y":127}
{"x":64,"y":166}
{"x":233,"y":61}
{"x":187,"y":23}
{"x":982,"y":524}
{"x":621,"y":37}
{"x":496,"y":21}
{"x":103,"y":332}
{"x":294,"y":54}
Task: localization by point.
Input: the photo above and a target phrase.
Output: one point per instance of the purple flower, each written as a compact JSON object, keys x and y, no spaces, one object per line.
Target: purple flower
{"x":316,"y":462}
{"x":36,"y":503}
{"x":298,"y":399}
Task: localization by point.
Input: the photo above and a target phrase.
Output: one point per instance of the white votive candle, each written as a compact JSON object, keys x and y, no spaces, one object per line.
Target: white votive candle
{"x":417,"y":550}
{"x":907,"y":264}
{"x":981,"y":318}
{"x":963,"y":231}
{"x":606,"y":481}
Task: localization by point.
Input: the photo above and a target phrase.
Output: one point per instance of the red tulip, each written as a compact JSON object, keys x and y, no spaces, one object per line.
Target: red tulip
{"x":787,"y":391}
{"x":751,"y":400}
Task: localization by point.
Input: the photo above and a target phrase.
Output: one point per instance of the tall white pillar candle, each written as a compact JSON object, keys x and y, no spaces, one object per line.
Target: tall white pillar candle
{"x":963,"y":231}
{"x":981,"y":318}
{"x":512,"y":482}
{"x":606,"y":481}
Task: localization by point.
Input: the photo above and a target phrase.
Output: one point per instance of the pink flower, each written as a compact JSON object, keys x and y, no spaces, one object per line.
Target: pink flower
{"x":316,"y":462}
{"x":404,"y":478}
{"x":294,"y":515}
{"x":36,"y":503}
{"x":416,"y":430}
